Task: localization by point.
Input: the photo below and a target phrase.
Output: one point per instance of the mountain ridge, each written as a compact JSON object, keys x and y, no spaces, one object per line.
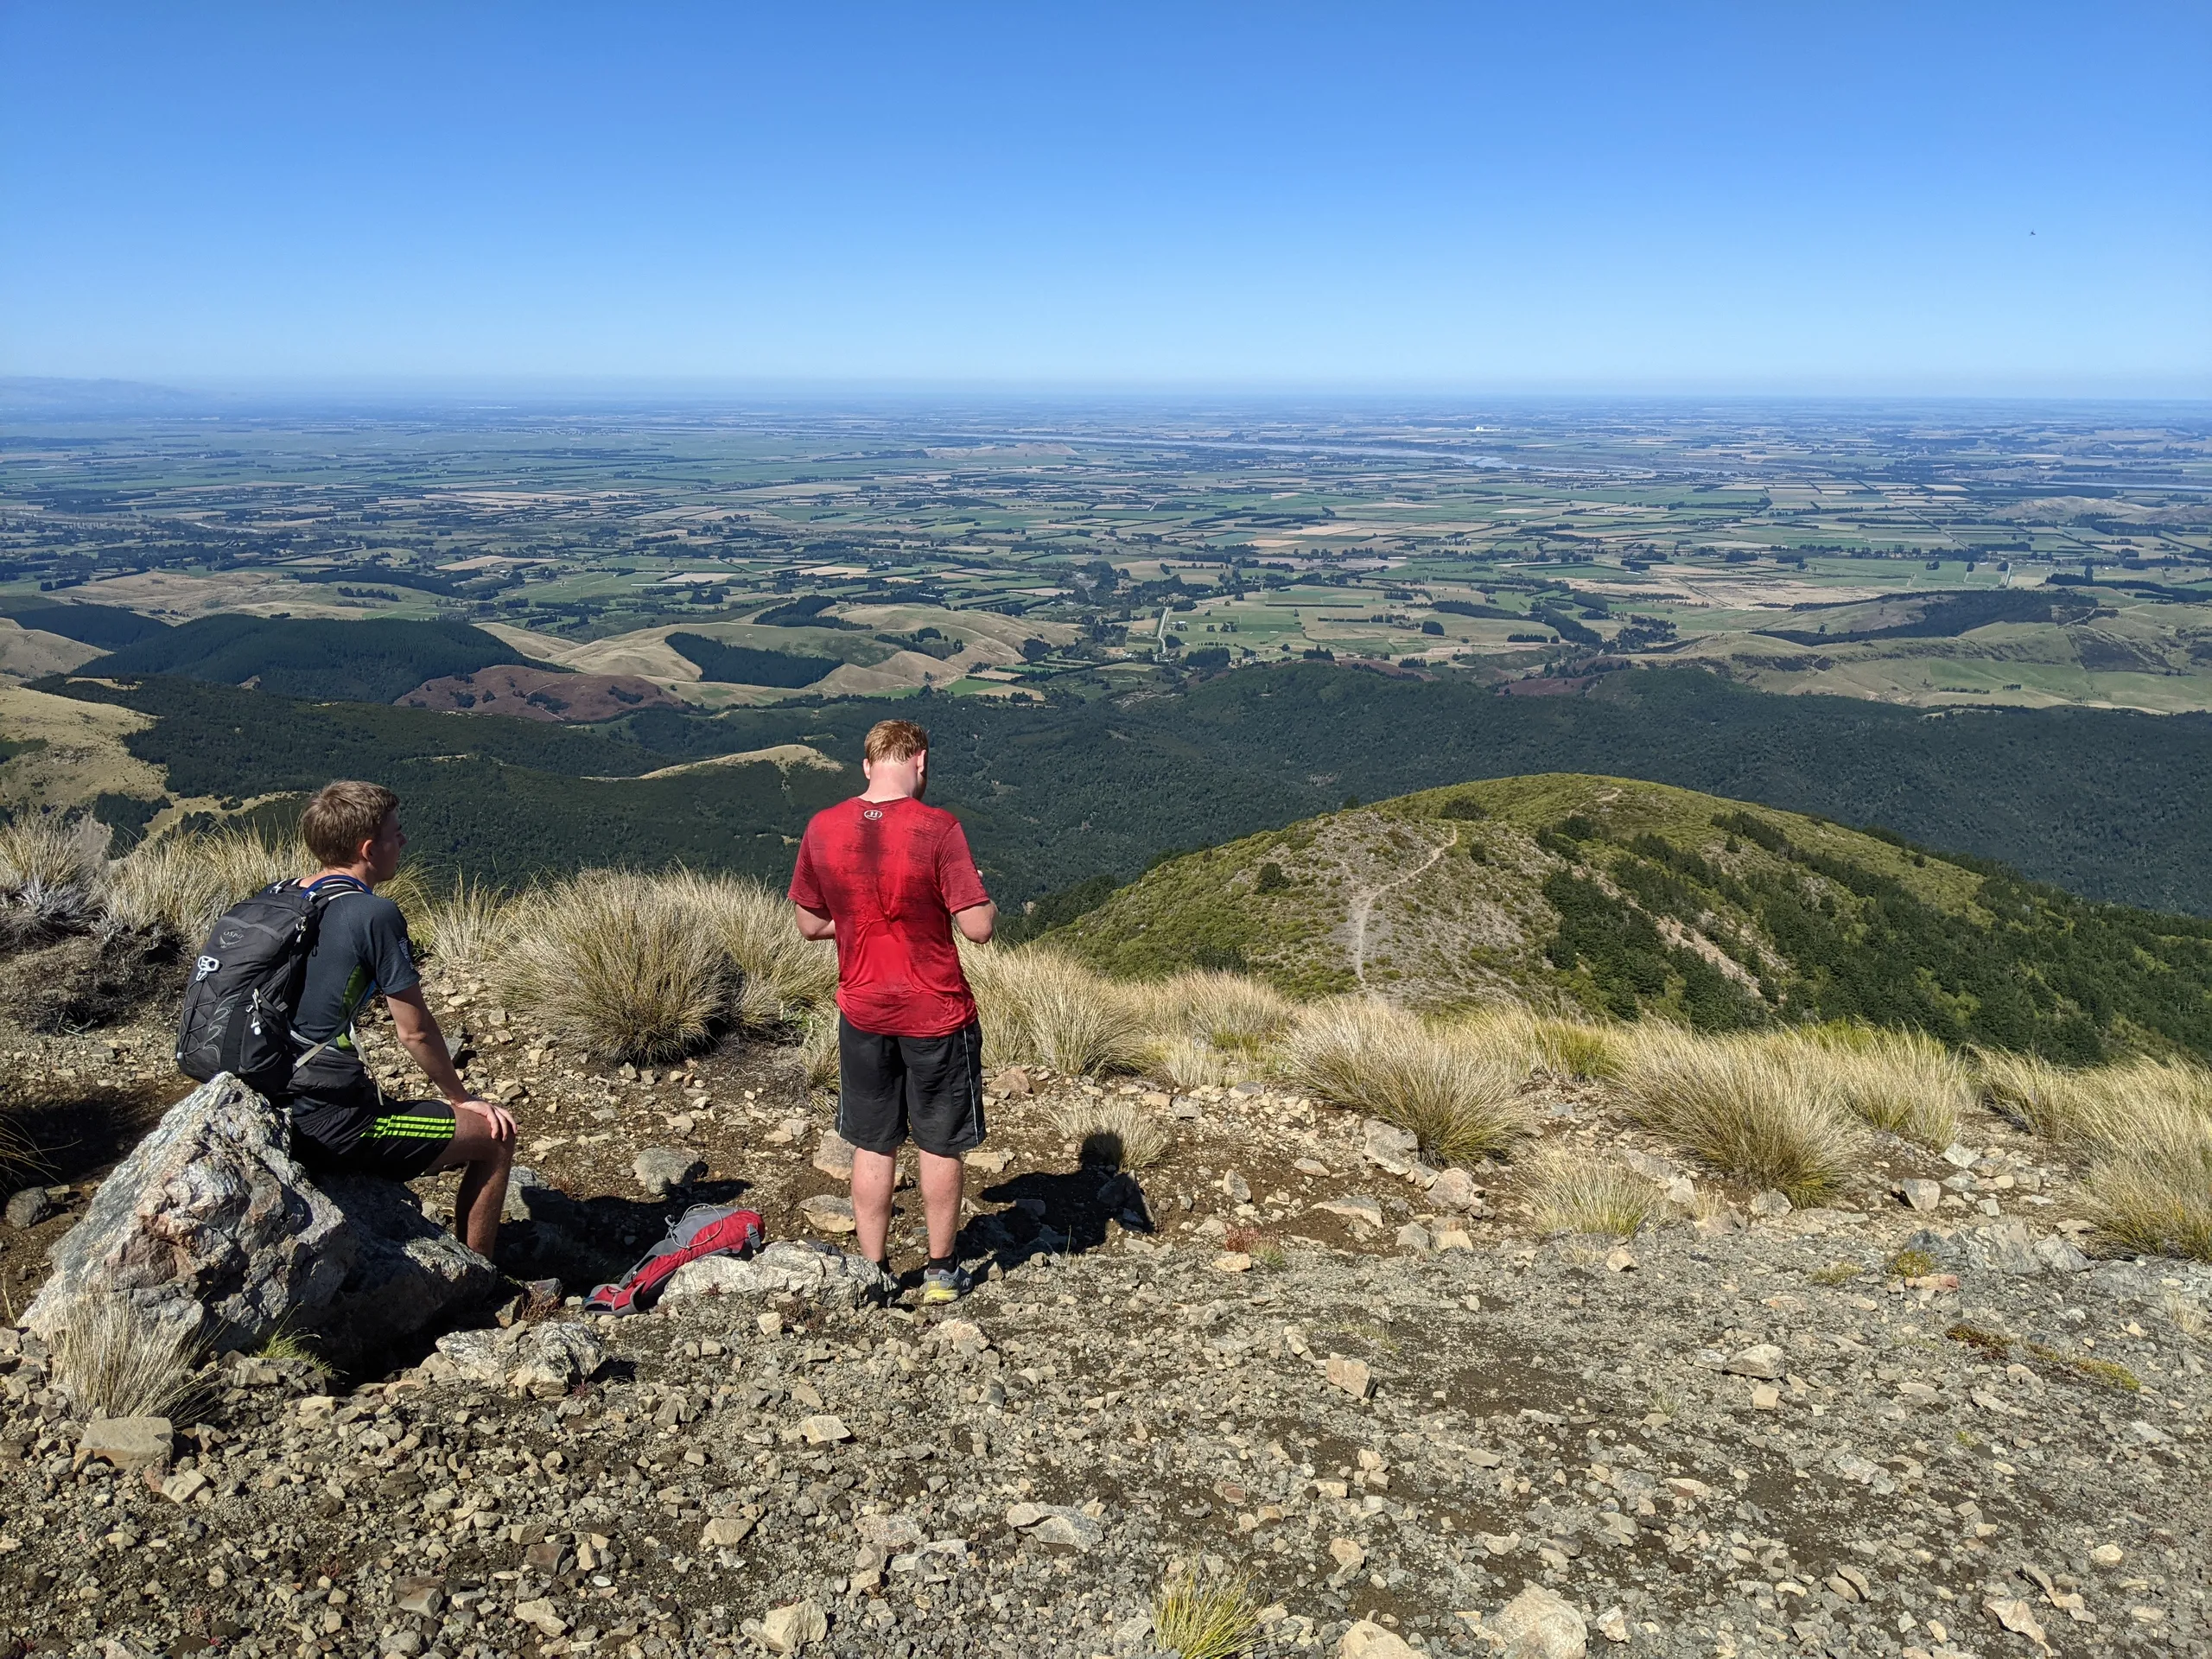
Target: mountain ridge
{"x":1619,"y":897}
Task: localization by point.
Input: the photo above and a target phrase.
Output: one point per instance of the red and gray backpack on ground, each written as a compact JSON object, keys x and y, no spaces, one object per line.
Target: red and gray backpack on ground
{"x":704,"y":1230}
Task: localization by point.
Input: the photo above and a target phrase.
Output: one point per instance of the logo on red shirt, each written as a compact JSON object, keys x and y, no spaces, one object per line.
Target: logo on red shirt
{"x":872,"y":813}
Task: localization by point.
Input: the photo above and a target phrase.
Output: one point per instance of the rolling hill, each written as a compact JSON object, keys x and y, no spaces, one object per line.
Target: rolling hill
{"x":374,"y":661}
{"x":1625,"y":898}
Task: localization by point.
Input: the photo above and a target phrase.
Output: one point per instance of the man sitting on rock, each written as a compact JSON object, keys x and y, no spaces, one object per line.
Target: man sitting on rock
{"x":341,"y":1120}
{"x":889,"y":879}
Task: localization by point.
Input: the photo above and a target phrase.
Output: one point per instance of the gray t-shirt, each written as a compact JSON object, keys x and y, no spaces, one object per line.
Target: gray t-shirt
{"x":362,"y":952}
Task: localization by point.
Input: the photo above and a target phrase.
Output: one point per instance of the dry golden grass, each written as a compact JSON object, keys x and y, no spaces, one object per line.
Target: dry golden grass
{"x":53,"y":867}
{"x":1208,"y":1617}
{"x":618,"y":962}
{"x":1905,"y":1082}
{"x":1460,"y":1102}
{"x":780,"y":976}
{"x":465,"y":930}
{"x":1040,"y":1008}
{"x":2150,"y":1131}
{"x":818,"y":1049}
{"x":1207,"y":1027}
{"x":2041,"y":1097}
{"x":177,"y":885}
{"x":1114,"y":1132}
{"x":114,"y":1364}
{"x":1744,"y":1107}
{"x":1576,"y":1191}
{"x":1519,"y":1037}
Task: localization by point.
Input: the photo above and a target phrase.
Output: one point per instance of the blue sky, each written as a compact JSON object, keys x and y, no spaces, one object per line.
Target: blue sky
{"x":1769,"y":197}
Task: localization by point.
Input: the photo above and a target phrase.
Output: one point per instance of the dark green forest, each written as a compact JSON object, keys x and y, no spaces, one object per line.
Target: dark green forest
{"x":321,"y":657}
{"x":2105,"y":803}
{"x":744,"y":665}
{"x":104,"y":625}
{"x":2037,"y":969}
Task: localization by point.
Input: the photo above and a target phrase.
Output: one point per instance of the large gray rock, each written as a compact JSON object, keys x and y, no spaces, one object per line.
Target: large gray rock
{"x":210,"y":1227}
{"x":795,"y":1266}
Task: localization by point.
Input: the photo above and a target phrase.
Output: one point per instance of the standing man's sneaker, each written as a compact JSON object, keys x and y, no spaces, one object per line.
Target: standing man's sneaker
{"x":946,"y":1284}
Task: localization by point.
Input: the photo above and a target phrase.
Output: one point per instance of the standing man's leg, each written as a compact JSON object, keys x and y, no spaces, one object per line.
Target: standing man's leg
{"x":872,"y":1119}
{"x":875,"y":1173}
{"x":941,"y":1186}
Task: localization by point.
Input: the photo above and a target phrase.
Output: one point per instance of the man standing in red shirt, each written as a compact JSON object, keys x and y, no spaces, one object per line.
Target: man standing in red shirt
{"x":889,"y":879}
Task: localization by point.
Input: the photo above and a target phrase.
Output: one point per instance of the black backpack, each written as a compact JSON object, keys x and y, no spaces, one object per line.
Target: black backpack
{"x":245,"y":987}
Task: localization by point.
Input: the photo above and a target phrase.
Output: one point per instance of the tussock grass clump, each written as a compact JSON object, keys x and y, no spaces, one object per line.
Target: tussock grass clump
{"x":53,"y":868}
{"x":1575,"y":1193}
{"x":177,"y":885}
{"x":780,"y":976}
{"x":1115,"y":1134}
{"x":1744,"y":1107}
{"x":1905,"y":1082}
{"x":1519,"y":1037}
{"x":1206,"y":1617}
{"x":465,"y":930}
{"x":2152,"y":1192}
{"x":1460,"y":1102}
{"x":818,"y":1049}
{"x":1210,"y":1028}
{"x":2146,"y":1125}
{"x":2042,"y":1098}
{"x":618,"y":962}
{"x":1041,"y":1007}
{"x":115,"y":1363}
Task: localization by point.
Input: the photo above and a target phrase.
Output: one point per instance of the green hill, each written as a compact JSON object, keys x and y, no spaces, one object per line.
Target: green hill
{"x":322,"y":658}
{"x":1628,"y":898}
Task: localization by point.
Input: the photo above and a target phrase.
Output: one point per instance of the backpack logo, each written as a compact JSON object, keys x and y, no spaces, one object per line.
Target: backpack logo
{"x":229,"y":937}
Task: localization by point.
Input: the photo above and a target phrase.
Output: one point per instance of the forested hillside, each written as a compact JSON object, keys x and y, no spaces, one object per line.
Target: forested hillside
{"x":320,"y":657}
{"x":2104,"y":804}
{"x":1629,"y":898}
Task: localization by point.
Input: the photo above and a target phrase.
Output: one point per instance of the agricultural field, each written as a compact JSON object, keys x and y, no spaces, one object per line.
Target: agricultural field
{"x":1928,"y":554}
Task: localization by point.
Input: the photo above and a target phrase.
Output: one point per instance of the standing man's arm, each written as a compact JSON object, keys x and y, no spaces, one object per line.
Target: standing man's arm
{"x":960,"y":884}
{"x":815,"y":921}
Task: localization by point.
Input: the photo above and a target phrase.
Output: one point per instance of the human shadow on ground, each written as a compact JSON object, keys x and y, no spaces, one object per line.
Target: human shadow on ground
{"x":1057,"y":1214}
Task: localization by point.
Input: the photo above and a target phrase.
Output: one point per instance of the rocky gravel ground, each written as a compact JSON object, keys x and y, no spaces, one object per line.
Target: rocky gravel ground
{"x":1282,"y":1350}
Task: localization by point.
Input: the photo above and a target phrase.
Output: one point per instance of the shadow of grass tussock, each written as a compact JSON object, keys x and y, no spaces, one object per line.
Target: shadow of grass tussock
{"x":1575,"y":1193}
{"x":1748,"y":1107}
{"x":618,"y":962}
{"x":1460,"y":1102}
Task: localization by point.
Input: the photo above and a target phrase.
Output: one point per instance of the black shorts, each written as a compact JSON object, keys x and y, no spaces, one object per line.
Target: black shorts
{"x":931,"y":1088}
{"x":359,"y":1133}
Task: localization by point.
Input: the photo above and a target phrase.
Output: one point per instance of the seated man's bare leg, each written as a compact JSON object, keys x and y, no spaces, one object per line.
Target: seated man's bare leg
{"x":484,"y":1149}
{"x":873,"y":1176}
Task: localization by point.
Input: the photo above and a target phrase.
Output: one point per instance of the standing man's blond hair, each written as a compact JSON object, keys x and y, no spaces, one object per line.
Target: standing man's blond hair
{"x":890,"y":880}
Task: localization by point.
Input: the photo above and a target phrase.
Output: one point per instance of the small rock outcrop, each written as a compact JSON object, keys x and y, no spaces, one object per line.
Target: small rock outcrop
{"x":210,"y":1227}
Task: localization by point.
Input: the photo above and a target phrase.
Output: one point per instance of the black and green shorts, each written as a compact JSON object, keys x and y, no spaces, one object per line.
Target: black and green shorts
{"x":359,"y":1133}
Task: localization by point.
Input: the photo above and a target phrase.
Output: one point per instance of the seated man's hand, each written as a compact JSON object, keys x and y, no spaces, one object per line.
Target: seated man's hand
{"x":500,"y":1122}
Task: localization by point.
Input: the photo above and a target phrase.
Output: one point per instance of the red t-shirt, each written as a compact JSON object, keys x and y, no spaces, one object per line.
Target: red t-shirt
{"x":890,"y":874}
